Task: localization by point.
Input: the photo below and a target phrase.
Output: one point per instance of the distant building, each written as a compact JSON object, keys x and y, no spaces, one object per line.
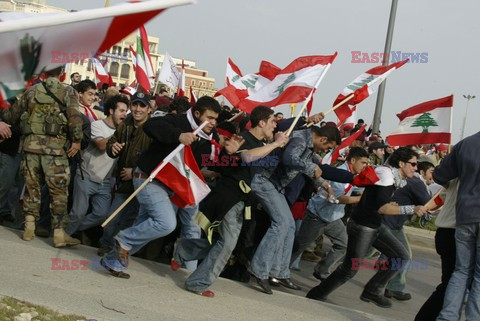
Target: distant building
{"x":31,"y":6}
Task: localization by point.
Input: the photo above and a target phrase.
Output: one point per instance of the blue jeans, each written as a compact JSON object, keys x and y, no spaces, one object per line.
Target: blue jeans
{"x":9,"y":166}
{"x":84,"y":191}
{"x":156,"y":217}
{"x":189,"y":230}
{"x":124,"y":219}
{"x":272,"y":257}
{"x":215,"y":256}
{"x":467,"y":271}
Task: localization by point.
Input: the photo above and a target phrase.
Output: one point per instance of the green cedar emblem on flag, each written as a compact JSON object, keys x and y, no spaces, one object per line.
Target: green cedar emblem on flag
{"x":235,"y":78}
{"x":280,"y":89}
{"x":249,"y":83}
{"x":30,"y":50}
{"x":425,"y":120}
{"x":360,"y":84}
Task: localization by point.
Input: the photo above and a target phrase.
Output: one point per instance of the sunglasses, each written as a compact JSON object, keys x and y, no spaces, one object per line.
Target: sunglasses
{"x":413,"y":164}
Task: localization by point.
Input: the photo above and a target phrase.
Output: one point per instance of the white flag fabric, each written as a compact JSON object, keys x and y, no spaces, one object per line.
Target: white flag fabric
{"x":169,"y":75}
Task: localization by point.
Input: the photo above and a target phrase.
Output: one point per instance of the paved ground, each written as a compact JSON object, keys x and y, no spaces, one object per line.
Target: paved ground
{"x":154,"y":292}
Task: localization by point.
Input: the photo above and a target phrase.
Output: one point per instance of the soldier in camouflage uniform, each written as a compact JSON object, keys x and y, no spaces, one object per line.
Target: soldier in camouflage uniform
{"x":377,"y":153}
{"x":52,"y":131}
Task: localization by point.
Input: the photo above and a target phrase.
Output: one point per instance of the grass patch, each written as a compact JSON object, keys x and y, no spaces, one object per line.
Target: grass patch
{"x":429,"y":225}
{"x":11,"y":307}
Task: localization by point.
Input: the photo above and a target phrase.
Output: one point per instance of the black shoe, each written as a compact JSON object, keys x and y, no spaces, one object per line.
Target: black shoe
{"x":42,"y":231}
{"x":400,"y":296}
{"x":314,"y":295}
{"x":379,"y":300}
{"x":317,"y":276}
{"x":263,"y":283}
{"x":8,"y":218}
{"x":274,"y":282}
{"x":289,"y":284}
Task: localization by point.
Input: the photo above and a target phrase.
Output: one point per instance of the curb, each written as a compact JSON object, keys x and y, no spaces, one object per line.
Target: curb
{"x":420,"y":237}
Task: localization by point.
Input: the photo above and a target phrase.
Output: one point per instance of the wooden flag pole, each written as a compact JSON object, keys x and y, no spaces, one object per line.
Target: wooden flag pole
{"x":234,"y":117}
{"x":434,"y":197}
{"x":305,"y":103}
{"x":154,"y":173}
{"x":334,"y":107}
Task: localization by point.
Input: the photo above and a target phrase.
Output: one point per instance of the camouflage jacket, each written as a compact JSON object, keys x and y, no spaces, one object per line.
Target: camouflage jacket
{"x":35,"y":108}
{"x":375,"y":160}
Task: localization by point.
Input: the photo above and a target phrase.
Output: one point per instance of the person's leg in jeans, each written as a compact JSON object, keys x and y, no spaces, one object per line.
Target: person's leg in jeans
{"x":394,"y":249}
{"x":399,"y":282}
{"x":156,"y":219}
{"x":101,"y":202}
{"x":83,"y":189}
{"x":189,"y":230}
{"x":472,"y":309}
{"x":212,"y":265}
{"x":270,"y":251}
{"x":466,"y":239}
{"x":124,"y":219}
{"x":445,"y":246}
{"x":360,"y":238}
{"x":337,"y":233}
{"x":295,"y":264}
{"x":311,"y":228}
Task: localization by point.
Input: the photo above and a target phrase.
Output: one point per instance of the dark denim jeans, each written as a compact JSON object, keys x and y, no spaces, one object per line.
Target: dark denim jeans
{"x":360,"y":238}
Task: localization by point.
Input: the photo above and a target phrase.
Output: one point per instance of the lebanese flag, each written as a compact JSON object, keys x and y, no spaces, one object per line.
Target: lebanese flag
{"x":33,"y":43}
{"x":369,"y":176}
{"x":233,"y":73}
{"x":144,"y":70}
{"x":362,"y":87}
{"x":425,"y":123}
{"x":341,"y":149}
{"x":100,"y":74}
{"x":134,"y":59}
{"x":181,"y":83}
{"x":183,"y":176}
{"x":193,"y":97}
{"x":273,"y":86}
{"x":351,"y":120}
{"x":169,"y":75}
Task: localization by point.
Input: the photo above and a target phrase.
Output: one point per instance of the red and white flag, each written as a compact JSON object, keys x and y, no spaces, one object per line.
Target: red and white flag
{"x":362,"y":87}
{"x":341,"y":149}
{"x":273,"y":86}
{"x":193,"y":97}
{"x":100,"y":74}
{"x":181,"y":83}
{"x":33,"y":43}
{"x":425,"y":123}
{"x":169,"y":75}
{"x":233,"y":74}
{"x":144,"y":70}
{"x":134,"y":59}
{"x":182,"y":175}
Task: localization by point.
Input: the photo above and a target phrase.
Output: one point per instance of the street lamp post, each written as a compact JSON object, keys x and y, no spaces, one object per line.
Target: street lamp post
{"x":468,"y":98}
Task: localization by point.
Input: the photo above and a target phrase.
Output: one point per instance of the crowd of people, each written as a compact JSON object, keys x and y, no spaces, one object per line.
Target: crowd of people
{"x":77,"y":152}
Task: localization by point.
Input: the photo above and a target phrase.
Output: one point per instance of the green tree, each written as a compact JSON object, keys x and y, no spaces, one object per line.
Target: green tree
{"x":280,"y":89}
{"x":425,"y":120}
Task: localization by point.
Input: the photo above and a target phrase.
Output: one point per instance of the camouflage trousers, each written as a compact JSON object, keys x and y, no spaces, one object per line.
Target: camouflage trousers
{"x":39,"y":169}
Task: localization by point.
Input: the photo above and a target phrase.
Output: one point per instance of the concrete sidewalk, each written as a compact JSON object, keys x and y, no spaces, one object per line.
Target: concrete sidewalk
{"x":153,"y":292}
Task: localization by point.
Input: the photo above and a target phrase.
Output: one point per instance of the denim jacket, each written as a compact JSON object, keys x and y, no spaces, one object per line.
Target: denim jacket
{"x":297,"y":157}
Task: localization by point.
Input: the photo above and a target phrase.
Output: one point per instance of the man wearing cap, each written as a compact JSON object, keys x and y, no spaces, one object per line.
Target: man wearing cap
{"x":93,"y":183}
{"x":377,"y":153}
{"x":126,"y":144}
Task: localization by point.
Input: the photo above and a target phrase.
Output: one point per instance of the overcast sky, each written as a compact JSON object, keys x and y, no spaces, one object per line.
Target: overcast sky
{"x":249,"y":31}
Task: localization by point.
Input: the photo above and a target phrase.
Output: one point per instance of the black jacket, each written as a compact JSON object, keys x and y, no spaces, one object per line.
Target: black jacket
{"x":165,"y":132}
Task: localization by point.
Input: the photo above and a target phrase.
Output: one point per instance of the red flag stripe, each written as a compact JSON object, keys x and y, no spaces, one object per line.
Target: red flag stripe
{"x":421,"y":138}
{"x":427,"y":106}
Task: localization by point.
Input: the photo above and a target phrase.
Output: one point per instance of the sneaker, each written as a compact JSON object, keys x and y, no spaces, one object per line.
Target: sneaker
{"x":399,"y":295}
{"x":379,"y":300}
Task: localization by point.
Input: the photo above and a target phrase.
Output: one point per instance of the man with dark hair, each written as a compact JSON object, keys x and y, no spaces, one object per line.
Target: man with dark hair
{"x":179,"y":105}
{"x":272,"y":257}
{"x":365,"y":230}
{"x":86,"y":95}
{"x":279,"y":117}
{"x":75,"y":78}
{"x":377,"y":153}
{"x":225,"y":205}
{"x":157,"y":217}
{"x":324,"y":217}
{"x":97,"y":168}
{"x":46,"y":112}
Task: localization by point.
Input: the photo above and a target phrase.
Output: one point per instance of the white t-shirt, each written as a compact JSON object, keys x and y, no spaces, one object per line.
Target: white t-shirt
{"x":97,"y":165}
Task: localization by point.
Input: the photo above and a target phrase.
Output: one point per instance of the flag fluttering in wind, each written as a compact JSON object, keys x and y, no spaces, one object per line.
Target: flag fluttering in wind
{"x":181,"y":83}
{"x":100,"y":74}
{"x":233,"y":73}
{"x":183,"y":176}
{"x":193,"y":97}
{"x":169,"y":75}
{"x":144,"y":70}
{"x":425,"y":123}
{"x":34,"y":43}
{"x":331,"y":157}
{"x":362,"y":87}
{"x":273,"y":86}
